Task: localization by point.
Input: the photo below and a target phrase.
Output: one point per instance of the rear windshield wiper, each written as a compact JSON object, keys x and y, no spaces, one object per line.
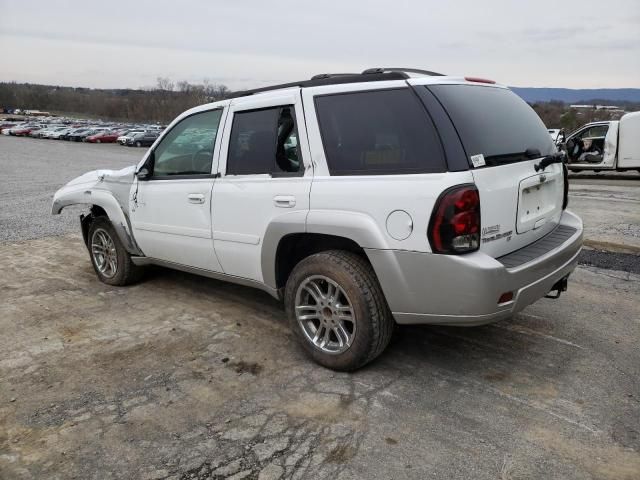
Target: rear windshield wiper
{"x":528,"y":154}
{"x":557,"y":157}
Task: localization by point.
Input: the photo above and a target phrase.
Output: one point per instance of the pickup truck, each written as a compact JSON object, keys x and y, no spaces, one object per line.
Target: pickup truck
{"x":359,"y":200}
{"x":609,"y":145}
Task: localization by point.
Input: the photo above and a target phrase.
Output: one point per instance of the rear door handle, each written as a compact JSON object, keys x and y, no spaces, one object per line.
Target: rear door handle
{"x":284,"y":201}
{"x":196,"y":198}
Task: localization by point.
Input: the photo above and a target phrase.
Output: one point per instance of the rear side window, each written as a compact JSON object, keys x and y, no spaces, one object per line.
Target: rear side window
{"x":383,"y":132}
{"x":494,"y":122}
{"x":264,"y":141}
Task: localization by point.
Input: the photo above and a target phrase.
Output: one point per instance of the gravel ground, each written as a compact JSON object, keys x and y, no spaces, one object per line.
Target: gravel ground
{"x":33,"y":169}
{"x":624,"y":262}
{"x":610,"y":210}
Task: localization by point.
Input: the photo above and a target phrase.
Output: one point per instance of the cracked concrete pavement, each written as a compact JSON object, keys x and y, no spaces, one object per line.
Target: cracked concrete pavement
{"x":183,"y":377}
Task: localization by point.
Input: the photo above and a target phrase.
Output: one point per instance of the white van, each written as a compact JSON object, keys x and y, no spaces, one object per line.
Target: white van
{"x":610,"y":145}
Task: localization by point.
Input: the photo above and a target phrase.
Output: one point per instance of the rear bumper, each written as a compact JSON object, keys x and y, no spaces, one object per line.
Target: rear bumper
{"x":424,"y":288}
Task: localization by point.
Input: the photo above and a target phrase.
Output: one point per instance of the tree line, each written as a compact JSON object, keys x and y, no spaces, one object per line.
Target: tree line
{"x":167,"y":99}
{"x":160,"y":103}
{"x":556,"y":114}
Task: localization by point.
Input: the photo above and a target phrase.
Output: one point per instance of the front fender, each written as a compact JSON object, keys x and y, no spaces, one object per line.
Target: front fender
{"x":91,"y":189}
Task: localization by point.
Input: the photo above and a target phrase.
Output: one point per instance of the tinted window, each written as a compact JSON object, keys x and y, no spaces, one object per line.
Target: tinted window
{"x":494,"y":122}
{"x":264,"y":141}
{"x":378,"y":133}
{"x":188,"y":148}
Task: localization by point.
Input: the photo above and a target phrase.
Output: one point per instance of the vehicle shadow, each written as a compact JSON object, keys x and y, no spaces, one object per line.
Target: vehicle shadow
{"x":514,"y":350}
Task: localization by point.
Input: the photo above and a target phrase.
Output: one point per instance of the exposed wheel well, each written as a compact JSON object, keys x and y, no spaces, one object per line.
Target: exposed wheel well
{"x":87,"y":220}
{"x":296,"y":246}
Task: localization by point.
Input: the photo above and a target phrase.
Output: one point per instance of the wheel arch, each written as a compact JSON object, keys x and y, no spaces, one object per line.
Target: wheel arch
{"x":297,"y":246}
{"x":101,"y":203}
{"x":297,"y":235}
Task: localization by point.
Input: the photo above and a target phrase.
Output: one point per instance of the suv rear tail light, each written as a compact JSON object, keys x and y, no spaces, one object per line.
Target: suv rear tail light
{"x":565,"y":174}
{"x":455,"y":222}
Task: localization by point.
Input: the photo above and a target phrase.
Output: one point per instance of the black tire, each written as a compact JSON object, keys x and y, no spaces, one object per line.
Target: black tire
{"x":374,"y":322}
{"x":138,"y":144}
{"x":126,"y":272}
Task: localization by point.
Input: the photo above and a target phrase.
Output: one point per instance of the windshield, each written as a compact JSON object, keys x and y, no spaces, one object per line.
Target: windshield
{"x":494,"y":122}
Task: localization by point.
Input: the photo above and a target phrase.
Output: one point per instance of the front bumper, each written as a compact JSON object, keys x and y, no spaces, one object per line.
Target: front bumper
{"x":424,"y":288}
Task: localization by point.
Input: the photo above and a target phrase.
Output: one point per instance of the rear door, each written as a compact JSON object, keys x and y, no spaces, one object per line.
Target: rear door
{"x":504,"y":139}
{"x":265,"y":178}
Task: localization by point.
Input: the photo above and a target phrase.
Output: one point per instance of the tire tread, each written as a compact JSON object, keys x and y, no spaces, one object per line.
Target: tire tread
{"x":364,"y":277}
{"x":128,"y":271}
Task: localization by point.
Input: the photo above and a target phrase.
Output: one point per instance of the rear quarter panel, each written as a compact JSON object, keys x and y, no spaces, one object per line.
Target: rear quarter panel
{"x":357,"y":206}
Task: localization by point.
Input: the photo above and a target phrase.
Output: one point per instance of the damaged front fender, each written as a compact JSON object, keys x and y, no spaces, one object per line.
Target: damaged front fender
{"x":108,"y":190}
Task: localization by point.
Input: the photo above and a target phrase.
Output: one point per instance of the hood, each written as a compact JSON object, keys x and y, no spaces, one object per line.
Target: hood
{"x":119,"y":176}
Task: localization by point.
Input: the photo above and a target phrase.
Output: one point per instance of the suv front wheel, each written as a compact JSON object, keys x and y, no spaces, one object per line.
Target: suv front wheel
{"x":337,"y":310}
{"x":110,"y":259}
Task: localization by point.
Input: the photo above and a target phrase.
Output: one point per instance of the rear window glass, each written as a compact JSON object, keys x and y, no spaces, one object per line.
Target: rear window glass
{"x":494,"y":122}
{"x":381,"y":132}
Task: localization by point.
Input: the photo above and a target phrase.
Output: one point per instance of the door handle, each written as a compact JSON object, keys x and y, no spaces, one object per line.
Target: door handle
{"x":196,"y":198}
{"x":284,"y":201}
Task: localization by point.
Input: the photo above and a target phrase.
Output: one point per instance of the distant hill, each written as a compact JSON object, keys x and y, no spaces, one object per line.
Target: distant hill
{"x":568,"y":95}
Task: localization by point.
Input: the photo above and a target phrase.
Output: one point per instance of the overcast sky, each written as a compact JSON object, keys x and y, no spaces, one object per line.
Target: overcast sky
{"x":250,"y":43}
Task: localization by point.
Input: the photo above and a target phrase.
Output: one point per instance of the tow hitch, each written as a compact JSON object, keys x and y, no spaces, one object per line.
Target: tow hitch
{"x":558,"y":287}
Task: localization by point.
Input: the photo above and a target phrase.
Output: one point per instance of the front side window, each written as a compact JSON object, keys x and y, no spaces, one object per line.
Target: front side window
{"x":382,"y":132}
{"x":597,"y":131}
{"x":264,"y":141}
{"x":188,"y":148}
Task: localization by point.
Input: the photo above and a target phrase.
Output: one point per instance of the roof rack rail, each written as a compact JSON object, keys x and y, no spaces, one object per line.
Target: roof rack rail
{"x":330,"y":75}
{"x":370,"y":71}
{"x":327,"y":79}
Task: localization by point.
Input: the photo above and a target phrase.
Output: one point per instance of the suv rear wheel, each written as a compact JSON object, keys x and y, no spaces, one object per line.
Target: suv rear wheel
{"x":337,"y":310}
{"x":110,"y":259}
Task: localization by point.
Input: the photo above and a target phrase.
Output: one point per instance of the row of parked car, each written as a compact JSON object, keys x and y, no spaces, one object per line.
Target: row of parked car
{"x":132,"y":136}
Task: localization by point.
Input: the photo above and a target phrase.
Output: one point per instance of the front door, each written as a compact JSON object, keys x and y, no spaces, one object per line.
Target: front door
{"x":593,"y":146}
{"x":265,"y":178}
{"x":171,"y":211}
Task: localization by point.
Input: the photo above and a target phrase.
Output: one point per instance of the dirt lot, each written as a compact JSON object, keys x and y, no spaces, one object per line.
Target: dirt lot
{"x":185,"y":377}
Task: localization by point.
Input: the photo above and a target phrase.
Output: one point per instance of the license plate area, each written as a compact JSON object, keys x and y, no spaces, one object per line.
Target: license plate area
{"x":537,"y":202}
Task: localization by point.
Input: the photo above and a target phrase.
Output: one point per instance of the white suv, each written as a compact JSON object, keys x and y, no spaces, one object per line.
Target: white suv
{"x":361,"y":200}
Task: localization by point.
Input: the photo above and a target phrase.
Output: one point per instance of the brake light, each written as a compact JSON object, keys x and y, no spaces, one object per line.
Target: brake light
{"x":565,"y":175}
{"x":479,"y":80}
{"x":455,"y":222}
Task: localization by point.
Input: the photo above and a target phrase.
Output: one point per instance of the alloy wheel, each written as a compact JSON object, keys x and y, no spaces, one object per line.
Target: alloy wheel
{"x":103,"y":250}
{"x":325,"y":314}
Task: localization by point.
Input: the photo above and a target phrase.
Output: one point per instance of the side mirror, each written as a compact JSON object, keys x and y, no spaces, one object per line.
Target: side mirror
{"x":143,"y":174}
